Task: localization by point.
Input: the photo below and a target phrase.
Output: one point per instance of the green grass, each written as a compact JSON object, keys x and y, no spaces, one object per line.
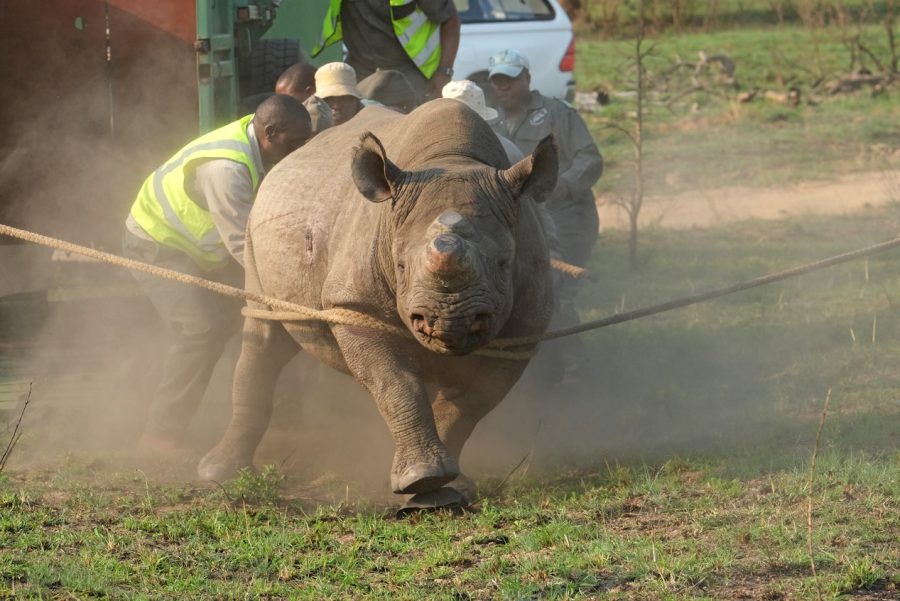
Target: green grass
{"x":691,"y":482}
{"x":672,"y":531}
{"x":707,"y":141}
{"x":681,"y":472}
{"x":616,"y":18}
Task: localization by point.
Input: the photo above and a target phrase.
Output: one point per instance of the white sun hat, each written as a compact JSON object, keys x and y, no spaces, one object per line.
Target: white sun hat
{"x":336,"y":79}
{"x":471,"y":95}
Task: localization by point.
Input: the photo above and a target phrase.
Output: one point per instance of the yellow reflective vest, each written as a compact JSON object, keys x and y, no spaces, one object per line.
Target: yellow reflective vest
{"x":420,"y":37}
{"x":164,"y":208}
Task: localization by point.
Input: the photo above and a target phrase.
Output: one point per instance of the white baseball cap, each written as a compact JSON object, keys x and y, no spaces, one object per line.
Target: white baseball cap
{"x":471,"y":95}
{"x":508,"y":62}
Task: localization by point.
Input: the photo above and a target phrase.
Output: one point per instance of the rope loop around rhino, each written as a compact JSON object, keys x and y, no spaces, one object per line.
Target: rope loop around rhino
{"x":283,"y":310}
{"x":517,"y":348}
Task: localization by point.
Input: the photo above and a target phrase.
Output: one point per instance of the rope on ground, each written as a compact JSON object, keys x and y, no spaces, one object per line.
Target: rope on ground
{"x":499,"y":347}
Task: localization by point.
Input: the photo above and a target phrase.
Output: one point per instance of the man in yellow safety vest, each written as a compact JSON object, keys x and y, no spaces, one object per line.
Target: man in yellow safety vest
{"x":419,"y":38}
{"x":190,"y":216}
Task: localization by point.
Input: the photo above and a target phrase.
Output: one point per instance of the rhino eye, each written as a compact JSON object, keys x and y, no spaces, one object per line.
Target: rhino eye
{"x":503,"y":264}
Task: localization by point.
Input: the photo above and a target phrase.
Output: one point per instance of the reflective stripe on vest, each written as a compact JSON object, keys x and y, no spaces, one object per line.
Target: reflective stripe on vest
{"x":331,"y":28}
{"x":419,"y":36}
{"x":167,"y":213}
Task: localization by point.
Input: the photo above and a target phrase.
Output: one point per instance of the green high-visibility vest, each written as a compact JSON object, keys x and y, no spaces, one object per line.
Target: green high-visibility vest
{"x":420,"y":37}
{"x":168,"y":214}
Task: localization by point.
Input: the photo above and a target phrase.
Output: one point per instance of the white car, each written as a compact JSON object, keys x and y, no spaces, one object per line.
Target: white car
{"x":539,"y":29}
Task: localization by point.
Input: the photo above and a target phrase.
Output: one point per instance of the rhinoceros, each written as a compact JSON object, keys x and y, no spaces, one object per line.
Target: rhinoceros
{"x":417,"y":221}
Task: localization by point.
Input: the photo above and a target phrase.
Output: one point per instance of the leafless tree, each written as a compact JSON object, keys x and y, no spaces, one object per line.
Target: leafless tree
{"x":634,"y":199}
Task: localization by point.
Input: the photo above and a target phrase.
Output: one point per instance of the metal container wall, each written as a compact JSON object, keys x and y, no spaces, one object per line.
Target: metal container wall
{"x":88,"y":111}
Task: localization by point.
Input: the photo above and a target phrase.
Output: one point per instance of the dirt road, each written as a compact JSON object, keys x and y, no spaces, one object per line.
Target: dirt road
{"x":708,"y":208}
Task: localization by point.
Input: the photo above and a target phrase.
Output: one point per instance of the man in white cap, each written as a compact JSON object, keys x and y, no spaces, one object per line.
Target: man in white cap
{"x":470,"y":94}
{"x":526,"y":117}
{"x":336,"y":85}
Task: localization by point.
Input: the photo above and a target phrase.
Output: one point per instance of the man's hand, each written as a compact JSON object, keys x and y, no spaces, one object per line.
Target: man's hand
{"x":436,"y":84}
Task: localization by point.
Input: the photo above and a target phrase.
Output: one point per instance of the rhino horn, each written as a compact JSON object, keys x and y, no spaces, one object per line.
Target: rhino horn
{"x":448,"y":258}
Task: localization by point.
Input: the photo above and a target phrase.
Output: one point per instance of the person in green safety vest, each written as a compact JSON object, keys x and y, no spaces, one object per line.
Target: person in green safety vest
{"x":419,"y":38}
{"x":190,"y":216}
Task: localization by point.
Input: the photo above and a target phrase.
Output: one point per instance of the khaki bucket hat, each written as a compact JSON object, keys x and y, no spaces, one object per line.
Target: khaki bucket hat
{"x":336,"y":79}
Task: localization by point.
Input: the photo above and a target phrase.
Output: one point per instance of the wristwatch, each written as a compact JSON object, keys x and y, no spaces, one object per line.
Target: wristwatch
{"x":448,"y":71}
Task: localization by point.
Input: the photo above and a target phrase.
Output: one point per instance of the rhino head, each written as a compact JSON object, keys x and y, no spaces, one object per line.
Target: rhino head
{"x":449,"y":238}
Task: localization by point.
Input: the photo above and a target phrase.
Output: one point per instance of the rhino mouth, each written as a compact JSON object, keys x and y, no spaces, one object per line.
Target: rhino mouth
{"x":458,"y":336}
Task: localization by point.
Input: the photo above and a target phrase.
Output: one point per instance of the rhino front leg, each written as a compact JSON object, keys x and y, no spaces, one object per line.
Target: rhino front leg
{"x":265,"y":349}
{"x":462,"y":402}
{"x":381,"y":364}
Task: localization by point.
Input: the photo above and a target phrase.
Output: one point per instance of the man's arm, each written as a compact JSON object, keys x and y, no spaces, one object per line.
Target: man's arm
{"x":450,"y":31}
{"x":228,"y":191}
{"x":578,"y":146}
{"x":443,"y":12}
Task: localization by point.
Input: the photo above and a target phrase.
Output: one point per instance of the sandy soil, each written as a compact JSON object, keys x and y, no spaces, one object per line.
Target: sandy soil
{"x":708,"y":208}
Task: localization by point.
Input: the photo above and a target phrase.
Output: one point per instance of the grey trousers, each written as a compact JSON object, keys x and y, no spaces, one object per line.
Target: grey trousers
{"x":576,"y":231}
{"x":198,"y":324}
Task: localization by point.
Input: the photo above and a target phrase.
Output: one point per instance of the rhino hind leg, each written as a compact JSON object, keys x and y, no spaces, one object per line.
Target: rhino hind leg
{"x":265,"y":349}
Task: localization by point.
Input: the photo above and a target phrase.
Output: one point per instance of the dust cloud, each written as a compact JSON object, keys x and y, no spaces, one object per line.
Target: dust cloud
{"x":91,"y":345}
{"x":78,"y":137}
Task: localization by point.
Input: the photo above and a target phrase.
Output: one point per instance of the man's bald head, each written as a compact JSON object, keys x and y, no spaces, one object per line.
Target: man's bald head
{"x":298,"y":80}
{"x":282,"y":125}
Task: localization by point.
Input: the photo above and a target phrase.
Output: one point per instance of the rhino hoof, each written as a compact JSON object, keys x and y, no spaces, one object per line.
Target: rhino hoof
{"x":421,"y":477}
{"x":215,"y":468}
{"x":465,"y":486}
{"x":443,"y":498}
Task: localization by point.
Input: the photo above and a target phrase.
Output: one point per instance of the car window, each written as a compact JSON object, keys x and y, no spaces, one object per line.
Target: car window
{"x":488,"y":11}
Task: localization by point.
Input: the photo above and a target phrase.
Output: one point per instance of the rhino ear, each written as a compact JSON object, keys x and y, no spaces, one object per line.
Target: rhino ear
{"x":535,"y":175}
{"x":373,"y":173}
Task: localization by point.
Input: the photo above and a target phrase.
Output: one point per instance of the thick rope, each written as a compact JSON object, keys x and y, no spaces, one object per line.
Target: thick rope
{"x":288,"y":311}
{"x":703,"y":296}
{"x":570,"y":270}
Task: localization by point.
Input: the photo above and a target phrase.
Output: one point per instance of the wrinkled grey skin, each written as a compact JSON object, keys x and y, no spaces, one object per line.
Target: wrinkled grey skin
{"x":417,"y":221}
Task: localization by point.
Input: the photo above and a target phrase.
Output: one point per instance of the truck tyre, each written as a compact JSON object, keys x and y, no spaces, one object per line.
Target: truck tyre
{"x":267,"y":60}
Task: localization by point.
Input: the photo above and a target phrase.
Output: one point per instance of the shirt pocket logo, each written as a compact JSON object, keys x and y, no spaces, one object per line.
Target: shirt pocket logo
{"x":538,"y":117}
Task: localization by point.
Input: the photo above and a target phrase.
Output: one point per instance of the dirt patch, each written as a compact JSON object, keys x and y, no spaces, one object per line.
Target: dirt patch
{"x":708,"y":208}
